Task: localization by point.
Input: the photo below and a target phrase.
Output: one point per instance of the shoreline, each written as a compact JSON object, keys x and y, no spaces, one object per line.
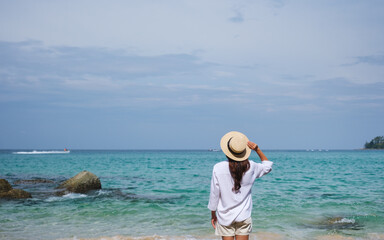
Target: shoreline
{"x":253,"y":236}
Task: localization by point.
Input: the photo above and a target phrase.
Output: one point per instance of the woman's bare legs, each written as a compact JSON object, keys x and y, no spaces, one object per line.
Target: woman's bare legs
{"x":242,"y":237}
{"x":227,"y":238}
{"x":238,"y":237}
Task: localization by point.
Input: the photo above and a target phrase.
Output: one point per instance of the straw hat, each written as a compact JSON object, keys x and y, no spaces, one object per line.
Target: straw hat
{"x":234,"y":145}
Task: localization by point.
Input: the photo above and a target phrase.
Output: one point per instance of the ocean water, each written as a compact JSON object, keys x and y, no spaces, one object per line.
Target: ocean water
{"x":164,"y":195}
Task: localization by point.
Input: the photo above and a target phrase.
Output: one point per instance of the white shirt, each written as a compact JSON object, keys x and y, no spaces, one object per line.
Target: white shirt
{"x":230,"y":206}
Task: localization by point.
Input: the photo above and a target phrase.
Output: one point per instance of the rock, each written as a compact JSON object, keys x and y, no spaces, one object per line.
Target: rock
{"x":16,"y":194}
{"x":338,"y":223}
{"x":6,"y":191}
{"x":5,"y":186}
{"x":33,"y":181}
{"x":82,"y":183}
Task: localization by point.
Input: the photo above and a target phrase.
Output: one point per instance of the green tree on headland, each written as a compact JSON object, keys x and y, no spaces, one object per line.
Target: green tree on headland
{"x":376,"y":143}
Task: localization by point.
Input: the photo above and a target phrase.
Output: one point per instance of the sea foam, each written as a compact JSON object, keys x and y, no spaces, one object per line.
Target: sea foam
{"x":66,"y":197}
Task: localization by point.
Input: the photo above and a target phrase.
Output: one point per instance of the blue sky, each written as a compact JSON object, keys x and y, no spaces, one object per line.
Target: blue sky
{"x":180,"y":74}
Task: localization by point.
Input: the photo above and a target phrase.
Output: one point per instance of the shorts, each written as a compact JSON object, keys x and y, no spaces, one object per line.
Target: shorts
{"x":236,"y":228}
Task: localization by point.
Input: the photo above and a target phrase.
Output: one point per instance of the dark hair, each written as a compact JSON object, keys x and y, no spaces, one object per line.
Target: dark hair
{"x":238,"y":169}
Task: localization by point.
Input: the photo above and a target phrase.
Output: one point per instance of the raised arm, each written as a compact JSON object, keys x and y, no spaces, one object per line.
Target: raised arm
{"x":255,"y":147}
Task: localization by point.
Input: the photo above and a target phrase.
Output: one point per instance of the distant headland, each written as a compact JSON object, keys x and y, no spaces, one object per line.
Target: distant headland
{"x":376,"y":143}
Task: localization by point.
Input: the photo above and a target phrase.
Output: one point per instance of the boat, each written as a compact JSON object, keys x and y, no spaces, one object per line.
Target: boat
{"x":214,"y":150}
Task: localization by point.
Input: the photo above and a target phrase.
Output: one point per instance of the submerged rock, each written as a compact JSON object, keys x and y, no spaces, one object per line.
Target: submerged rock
{"x":342,"y":223}
{"x":82,"y":183}
{"x":6,"y":191}
{"x":33,"y":181}
{"x":16,"y":194}
{"x":337,"y":223}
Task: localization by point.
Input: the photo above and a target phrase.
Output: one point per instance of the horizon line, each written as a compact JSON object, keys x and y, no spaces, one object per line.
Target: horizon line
{"x":182,"y":149}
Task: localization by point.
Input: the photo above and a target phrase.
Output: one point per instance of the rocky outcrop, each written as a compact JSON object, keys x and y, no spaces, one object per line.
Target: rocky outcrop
{"x":6,"y":191}
{"x":81,"y":183}
{"x":5,"y":186}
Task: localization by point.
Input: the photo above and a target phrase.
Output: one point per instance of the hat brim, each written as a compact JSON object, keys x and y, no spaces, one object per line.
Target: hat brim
{"x":224,"y":147}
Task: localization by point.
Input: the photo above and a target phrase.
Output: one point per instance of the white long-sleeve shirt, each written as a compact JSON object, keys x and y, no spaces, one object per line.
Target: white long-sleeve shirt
{"x":230,"y":206}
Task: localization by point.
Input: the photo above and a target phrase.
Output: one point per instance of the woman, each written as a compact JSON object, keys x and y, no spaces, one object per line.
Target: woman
{"x":230,"y":199}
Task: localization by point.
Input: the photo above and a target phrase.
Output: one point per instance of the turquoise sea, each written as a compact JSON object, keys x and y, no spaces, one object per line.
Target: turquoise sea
{"x":164,"y":195}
